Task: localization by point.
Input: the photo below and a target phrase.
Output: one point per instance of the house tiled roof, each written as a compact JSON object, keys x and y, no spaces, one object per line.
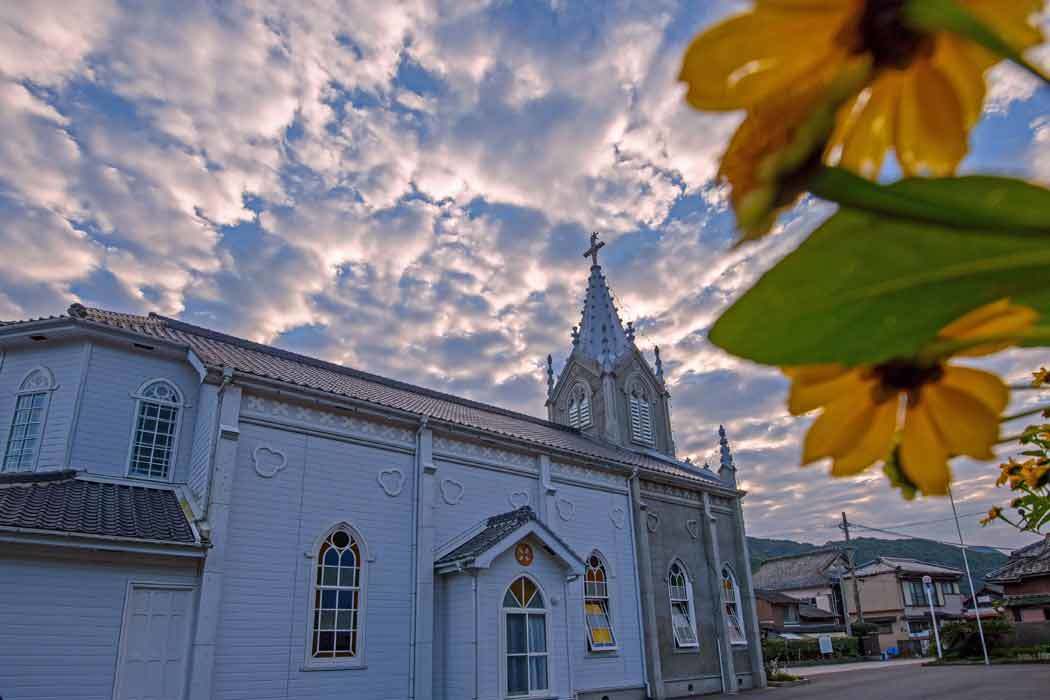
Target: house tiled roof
{"x":812,"y":613}
{"x":1033,"y":560}
{"x":1025,"y":599}
{"x":496,"y":528}
{"x":775,"y":597}
{"x":61,"y":502}
{"x":218,"y":350}
{"x":908,"y":566}
{"x":807,"y":570}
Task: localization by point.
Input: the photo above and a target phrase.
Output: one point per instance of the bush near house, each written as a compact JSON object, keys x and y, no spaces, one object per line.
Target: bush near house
{"x":808,"y":649}
{"x":962,"y":639}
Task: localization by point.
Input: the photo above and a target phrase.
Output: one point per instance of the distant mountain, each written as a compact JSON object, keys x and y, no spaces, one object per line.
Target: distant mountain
{"x":982,"y":559}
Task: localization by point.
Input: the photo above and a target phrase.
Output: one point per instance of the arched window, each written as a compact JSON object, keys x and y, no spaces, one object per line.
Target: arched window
{"x":525,"y":623}
{"x":337,"y":597}
{"x":27,"y":423}
{"x":683,"y":617}
{"x":580,"y":407}
{"x":600,"y":635}
{"x":731,"y":608}
{"x":153,"y":442}
{"x":641,"y":414}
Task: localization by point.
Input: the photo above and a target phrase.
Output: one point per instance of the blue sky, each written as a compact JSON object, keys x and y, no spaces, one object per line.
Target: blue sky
{"x":407,"y":188}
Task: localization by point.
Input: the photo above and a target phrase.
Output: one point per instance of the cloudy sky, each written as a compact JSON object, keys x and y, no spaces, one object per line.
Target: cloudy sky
{"x":407,"y":189}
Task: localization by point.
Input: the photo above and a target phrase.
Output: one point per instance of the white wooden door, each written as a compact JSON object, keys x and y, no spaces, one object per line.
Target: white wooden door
{"x":154,"y":644}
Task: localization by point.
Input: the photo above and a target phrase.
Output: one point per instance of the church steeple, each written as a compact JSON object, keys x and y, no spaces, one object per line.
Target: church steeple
{"x":607,"y":388}
{"x":601,"y":334}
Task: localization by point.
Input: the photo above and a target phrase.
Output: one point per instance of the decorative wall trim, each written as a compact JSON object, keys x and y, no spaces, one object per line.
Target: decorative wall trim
{"x":618,"y":516}
{"x":391,"y":481}
{"x":667,"y":491}
{"x":519,"y":499}
{"x":327,"y":421}
{"x":693,"y":528}
{"x":268,"y":461}
{"x":451,"y":491}
{"x":652,"y":521}
{"x":566,"y":508}
{"x":572,"y":472}
{"x":481,"y":452}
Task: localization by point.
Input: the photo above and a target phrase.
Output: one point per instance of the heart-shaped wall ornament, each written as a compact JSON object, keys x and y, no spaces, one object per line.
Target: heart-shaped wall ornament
{"x":518,"y":499}
{"x":268,"y":461}
{"x":566,"y":508}
{"x":451,"y":491}
{"x":618,"y":516}
{"x":652,"y":521}
{"x":693,"y":528}
{"x":391,"y":481}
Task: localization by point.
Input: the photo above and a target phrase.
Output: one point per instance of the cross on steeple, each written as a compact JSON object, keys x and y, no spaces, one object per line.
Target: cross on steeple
{"x":596,"y":245}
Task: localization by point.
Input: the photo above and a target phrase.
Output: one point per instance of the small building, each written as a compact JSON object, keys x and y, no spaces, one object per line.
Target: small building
{"x":987,"y":603}
{"x":893,"y":597}
{"x":1026,"y":582}
{"x":782,"y":616}
{"x":812,"y":577}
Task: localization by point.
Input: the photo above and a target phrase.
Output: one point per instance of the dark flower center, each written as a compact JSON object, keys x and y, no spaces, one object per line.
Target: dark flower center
{"x":884,"y":34}
{"x":905,"y":375}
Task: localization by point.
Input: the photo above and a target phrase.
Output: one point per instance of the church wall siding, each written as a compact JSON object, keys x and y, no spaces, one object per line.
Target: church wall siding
{"x":482,"y":492}
{"x":64,"y":360}
{"x":61,"y":614}
{"x":104,"y":429}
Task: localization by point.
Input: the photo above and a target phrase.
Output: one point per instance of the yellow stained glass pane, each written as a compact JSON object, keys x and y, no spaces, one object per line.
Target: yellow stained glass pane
{"x":528,"y":589}
{"x":594,"y":609}
{"x":602,"y":635}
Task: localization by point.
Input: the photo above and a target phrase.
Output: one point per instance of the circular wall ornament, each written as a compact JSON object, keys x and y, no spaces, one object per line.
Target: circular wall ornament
{"x":451,"y":491}
{"x":391,"y":481}
{"x":618,"y":516}
{"x":652,"y":521}
{"x":523,"y":553}
{"x":518,"y":499}
{"x":268,"y":461}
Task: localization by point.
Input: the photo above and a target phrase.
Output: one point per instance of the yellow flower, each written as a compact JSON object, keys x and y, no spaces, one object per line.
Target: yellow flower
{"x":993,"y":513}
{"x":925,"y":94}
{"x":1041,"y":377}
{"x":1034,"y":474}
{"x":939,"y":410}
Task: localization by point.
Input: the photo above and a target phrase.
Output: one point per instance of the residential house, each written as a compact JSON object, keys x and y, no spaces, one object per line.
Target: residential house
{"x":812,"y":577}
{"x":188,"y":514}
{"x":987,"y":603}
{"x":785,"y":617}
{"x":893,"y":597}
{"x":1026,"y":582}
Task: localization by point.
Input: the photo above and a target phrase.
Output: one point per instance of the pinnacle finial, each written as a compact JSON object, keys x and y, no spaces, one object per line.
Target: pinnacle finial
{"x":550,"y":376}
{"x":575,"y":336}
{"x":659,"y":364}
{"x":592,"y":252}
{"x":630,"y":331}
{"x":726,"y":469}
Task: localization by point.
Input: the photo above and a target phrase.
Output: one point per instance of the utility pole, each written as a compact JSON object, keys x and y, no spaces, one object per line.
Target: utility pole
{"x":969,"y":577}
{"x":852,"y":572}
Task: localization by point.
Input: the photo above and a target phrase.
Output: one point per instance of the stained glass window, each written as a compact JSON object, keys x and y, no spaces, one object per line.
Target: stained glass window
{"x":731,"y":608}
{"x":337,"y":597}
{"x":525,"y":621}
{"x":156,"y":425}
{"x":683,"y":621}
{"x":600,"y":635}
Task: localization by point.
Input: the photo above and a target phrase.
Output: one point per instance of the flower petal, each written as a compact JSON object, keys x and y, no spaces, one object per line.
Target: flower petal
{"x":1000,"y":318}
{"x":866,"y":127}
{"x":819,"y":385}
{"x":931,"y":136}
{"x":954,"y":59}
{"x":838,"y":430}
{"x":747,"y":58}
{"x":983,"y":386}
{"x":967,"y":425}
{"x":874,"y":445}
{"x":924,"y":456}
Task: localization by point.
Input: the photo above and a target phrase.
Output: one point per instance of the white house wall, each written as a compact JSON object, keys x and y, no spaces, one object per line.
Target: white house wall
{"x":60,"y":618}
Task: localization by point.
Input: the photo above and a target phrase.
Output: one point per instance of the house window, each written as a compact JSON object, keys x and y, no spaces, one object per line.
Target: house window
{"x":683,"y":618}
{"x":580,"y":407}
{"x":790,"y":614}
{"x":914,"y":593}
{"x":156,"y":429}
{"x":337,"y":597}
{"x":731,"y":608}
{"x":525,"y":624}
{"x":600,"y":635}
{"x":27,"y":424}
{"x":641,"y":415}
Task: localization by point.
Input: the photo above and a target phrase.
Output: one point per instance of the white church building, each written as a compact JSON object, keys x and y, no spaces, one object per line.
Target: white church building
{"x":186,"y":514}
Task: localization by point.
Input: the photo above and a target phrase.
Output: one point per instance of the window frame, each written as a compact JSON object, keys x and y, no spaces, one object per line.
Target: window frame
{"x":310,"y":662}
{"x":638,"y":435}
{"x":140,"y":401}
{"x":581,"y":392}
{"x":28,"y":389}
{"x":603,"y":601}
{"x":504,"y":654}
{"x":688,"y":601}
{"x":737,"y":604}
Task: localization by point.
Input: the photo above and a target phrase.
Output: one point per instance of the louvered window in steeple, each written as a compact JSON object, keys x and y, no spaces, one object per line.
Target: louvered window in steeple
{"x":580,"y":407}
{"x":641,"y":416}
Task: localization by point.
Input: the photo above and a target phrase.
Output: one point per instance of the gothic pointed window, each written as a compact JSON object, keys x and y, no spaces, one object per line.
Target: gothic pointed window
{"x":27,"y":423}
{"x":641,"y":414}
{"x":731,"y":608}
{"x":337,"y":605}
{"x":683,"y":616}
{"x":580,"y":407}
{"x":600,"y":635}
{"x":525,"y":651}
{"x":158,"y":406}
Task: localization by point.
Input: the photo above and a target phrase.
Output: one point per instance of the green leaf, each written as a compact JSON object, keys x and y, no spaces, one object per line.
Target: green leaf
{"x":970,"y":202}
{"x":864,"y":288}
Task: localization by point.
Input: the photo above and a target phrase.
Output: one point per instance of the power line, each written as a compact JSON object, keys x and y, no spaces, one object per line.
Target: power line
{"x":940,"y":520}
{"x":930,"y":539}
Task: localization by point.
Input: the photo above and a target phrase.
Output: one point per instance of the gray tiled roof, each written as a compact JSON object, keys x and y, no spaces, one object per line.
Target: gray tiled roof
{"x":217,"y":350}
{"x":905,"y":565}
{"x":59,"y":501}
{"x":496,"y":528}
{"x":775,"y":597}
{"x":807,"y":570}
{"x":1033,"y":560}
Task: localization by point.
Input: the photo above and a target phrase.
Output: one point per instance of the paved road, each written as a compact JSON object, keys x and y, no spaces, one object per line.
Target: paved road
{"x":810,"y":671}
{"x":1007,"y":682}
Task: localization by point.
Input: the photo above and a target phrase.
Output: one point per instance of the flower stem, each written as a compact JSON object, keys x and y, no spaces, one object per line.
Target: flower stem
{"x":947,"y":15}
{"x":1024,"y":414}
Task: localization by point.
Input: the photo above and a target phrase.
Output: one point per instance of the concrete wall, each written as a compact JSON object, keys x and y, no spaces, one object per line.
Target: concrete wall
{"x":880,"y":593}
{"x":60,"y":618}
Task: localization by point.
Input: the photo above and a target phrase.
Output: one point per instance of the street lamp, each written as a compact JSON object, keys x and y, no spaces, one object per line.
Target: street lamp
{"x":927,"y":583}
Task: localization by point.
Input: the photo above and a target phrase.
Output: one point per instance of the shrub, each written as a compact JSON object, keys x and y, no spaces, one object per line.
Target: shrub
{"x":963,"y":639}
